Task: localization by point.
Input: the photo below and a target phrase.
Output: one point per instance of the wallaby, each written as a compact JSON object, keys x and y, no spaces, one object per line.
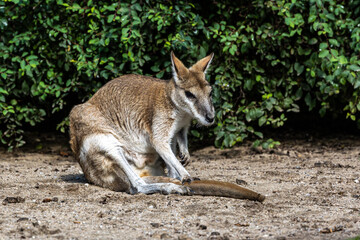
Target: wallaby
{"x":126,"y":136}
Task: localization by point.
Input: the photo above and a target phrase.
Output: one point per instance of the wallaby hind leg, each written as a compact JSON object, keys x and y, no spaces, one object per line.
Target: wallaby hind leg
{"x":120,"y":174}
{"x":102,"y":171}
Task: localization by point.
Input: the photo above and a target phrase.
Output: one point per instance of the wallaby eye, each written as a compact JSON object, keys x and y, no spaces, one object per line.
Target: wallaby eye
{"x":189,"y":95}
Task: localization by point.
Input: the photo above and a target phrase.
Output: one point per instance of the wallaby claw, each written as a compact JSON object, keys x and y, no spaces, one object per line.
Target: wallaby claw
{"x":185,"y":159}
{"x":187,"y":180}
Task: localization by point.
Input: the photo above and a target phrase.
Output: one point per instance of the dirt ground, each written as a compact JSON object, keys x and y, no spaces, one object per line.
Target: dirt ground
{"x":312,"y":186}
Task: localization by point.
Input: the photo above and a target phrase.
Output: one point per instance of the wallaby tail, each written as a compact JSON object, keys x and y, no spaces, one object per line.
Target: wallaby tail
{"x":223,"y":189}
{"x":213,"y":188}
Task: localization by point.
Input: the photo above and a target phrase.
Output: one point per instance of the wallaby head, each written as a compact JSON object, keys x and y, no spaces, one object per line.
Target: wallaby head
{"x":193,"y":93}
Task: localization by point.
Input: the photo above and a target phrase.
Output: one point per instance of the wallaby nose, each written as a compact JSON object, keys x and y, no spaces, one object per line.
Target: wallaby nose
{"x":209,"y":118}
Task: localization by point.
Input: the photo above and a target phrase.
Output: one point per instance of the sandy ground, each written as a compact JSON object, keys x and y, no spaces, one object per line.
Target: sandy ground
{"x":312,"y":187}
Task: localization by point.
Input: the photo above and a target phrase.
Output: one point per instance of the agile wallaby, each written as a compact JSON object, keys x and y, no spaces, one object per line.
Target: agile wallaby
{"x":125,"y":137}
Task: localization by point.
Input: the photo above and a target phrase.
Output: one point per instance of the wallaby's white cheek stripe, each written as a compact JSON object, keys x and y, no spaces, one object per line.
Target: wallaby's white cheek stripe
{"x":198,"y":116}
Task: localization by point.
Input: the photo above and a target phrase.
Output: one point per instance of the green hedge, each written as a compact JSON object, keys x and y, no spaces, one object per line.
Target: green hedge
{"x":271,"y":57}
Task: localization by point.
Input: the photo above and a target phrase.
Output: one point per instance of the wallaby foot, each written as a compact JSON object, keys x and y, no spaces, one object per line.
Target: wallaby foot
{"x":163,"y":188}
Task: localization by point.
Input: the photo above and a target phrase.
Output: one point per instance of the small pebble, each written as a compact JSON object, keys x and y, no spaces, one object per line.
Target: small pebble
{"x":13,"y":200}
{"x":202,"y":227}
{"x":241,"y":182}
{"x":155,"y":225}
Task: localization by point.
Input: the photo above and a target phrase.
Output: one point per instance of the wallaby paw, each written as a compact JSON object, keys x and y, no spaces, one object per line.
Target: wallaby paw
{"x":185,"y":159}
{"x":187,"y":180}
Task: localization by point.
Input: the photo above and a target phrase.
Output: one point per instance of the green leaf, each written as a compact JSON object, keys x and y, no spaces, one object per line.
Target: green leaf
{"x":160,"y":74}
{"x":110,"y":18}
{"x":309,"y":101}
{"x":330,"y":16}
{"x":259,"y":134}
{"x":311,"y":18}
{"x":231,"y":128}
{"x":3,"y":91}
{"x":299,"y":68}
{"x":233,"y":49}
{"x":312,"y":73}
{"x":355,"y":68}
{"x":31,"y":57}
{"x":299,"y":93}
{"x":137,"y":7}
{"x":22,"y":64}
{"x":334,"y":42}
{"x":313,"y":41}
{"x":323,"y":46}
{"x":343,"y":60}
{"x":155,"y":68}
{"x":324,"y":53}
{"x":262,"y":120}
{"x":195,"y":133}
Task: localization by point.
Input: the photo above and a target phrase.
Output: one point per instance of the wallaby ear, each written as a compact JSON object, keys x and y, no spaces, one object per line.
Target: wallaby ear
{"x":203,"y":64}
{"x":178,"y":68}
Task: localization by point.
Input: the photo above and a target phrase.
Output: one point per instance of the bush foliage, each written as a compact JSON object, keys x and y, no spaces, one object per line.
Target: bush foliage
{"x":271,"y":57}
